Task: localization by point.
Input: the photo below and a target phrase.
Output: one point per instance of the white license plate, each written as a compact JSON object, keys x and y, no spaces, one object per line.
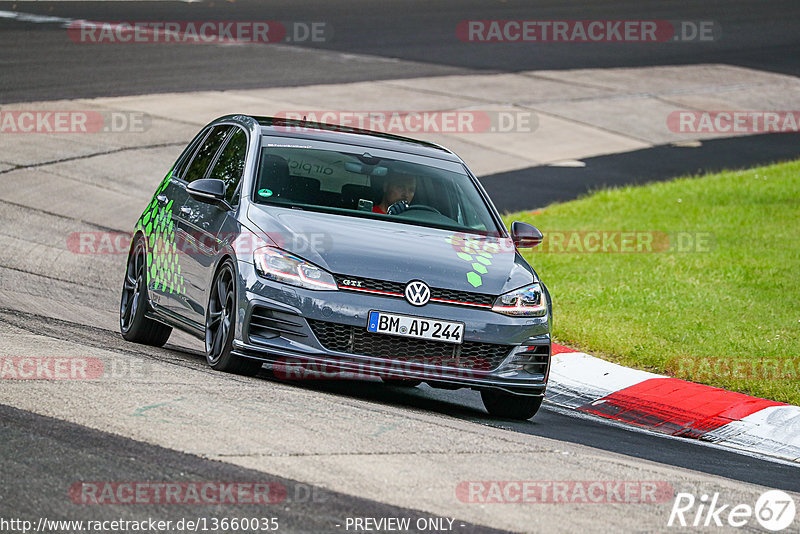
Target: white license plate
{"x":418,"y":327}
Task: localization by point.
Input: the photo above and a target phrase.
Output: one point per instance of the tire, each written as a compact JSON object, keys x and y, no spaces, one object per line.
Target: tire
{"x":508,"y":406}
{"x":133,"y":325}
{"x":220,"y":325}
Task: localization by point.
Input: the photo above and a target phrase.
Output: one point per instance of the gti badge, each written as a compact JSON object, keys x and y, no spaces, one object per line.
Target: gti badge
{"x":418,"y":293}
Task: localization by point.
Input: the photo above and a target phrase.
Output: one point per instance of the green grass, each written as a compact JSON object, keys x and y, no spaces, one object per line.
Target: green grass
{"x":727,"y":314}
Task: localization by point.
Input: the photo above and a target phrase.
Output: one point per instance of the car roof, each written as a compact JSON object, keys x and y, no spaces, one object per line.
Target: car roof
{"x":299,"y":129}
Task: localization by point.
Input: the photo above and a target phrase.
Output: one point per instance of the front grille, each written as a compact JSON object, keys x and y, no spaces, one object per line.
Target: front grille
{"x":370,"y":283}
{"x":355,"y":340}
{"x":462,"y":296}
{"x":398,"y":288}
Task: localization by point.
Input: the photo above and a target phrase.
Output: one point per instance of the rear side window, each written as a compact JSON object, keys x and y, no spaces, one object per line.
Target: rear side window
{"x":230,"y":164}
{"x":205,"y":154}
{"x":186,"y":156}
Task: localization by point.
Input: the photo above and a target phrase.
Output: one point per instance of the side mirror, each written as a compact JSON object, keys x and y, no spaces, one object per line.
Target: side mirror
{"x":210,"y":191}
{"x":525,"y":235}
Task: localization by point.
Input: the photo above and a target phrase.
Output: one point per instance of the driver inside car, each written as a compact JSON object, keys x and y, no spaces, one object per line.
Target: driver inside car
{"x":398,"y":191}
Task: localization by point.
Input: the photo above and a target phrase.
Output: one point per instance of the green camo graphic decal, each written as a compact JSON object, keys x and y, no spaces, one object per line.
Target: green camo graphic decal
{"x":478,"y":253}
{"x":163,"y":266}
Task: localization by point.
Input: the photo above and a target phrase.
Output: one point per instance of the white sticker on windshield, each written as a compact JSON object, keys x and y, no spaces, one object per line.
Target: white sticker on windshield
{"x":288,"y":146}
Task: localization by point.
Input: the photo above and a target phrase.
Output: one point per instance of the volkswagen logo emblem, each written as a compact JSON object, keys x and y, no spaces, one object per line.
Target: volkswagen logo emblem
{"x":418,"y":293}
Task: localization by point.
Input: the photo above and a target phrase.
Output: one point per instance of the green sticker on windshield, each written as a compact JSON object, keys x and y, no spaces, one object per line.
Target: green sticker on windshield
{"x":265,"y":192}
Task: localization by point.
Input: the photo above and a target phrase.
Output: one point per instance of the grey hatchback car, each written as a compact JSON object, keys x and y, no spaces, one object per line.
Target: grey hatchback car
{"x":332,"y":252}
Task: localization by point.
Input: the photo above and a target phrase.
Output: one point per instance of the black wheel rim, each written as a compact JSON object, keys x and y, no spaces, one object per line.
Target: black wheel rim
{"x":132,"y":288}
{"x":219,"y":317}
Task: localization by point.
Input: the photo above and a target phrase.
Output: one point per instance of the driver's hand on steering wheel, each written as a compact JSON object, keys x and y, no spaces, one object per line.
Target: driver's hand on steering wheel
{"x":397,"y":208}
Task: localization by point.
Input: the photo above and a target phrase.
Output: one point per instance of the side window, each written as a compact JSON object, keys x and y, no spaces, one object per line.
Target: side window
{"x":197,"y":168}
{"x":186,"y":156}
{"x":230,"y":164}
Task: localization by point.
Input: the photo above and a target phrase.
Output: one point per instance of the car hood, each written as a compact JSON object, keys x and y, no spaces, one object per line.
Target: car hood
{"x":370,"y":248}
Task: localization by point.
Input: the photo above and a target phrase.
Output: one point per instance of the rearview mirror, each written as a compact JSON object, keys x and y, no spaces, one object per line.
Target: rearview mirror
{"x":210,"y":191}
{"x":525,"y":235}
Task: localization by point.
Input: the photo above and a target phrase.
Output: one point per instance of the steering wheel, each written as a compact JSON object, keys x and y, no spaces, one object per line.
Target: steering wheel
{"x":424,"y":208}
{"x":402,"y":206}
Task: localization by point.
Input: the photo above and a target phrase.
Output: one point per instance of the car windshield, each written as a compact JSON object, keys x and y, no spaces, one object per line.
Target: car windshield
{"x":363,"y":182}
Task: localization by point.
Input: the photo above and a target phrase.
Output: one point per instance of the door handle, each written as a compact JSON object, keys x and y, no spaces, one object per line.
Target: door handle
{"x":162,"y":199}
{"x":186,"y":210}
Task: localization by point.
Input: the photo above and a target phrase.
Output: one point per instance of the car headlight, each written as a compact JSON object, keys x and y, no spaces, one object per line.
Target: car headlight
{"x":275,"y":264}
{"x":529,"y":300}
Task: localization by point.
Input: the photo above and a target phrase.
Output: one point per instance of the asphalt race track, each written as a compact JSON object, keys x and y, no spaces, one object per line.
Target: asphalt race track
{"x":310,"y":509}
{"x":340,"y":449}
{"x":392,"y":39}
{"x":397,"y":39}
{"x":548,"y":184}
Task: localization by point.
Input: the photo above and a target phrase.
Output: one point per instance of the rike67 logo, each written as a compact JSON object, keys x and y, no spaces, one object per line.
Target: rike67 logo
{"x":774,"y":510}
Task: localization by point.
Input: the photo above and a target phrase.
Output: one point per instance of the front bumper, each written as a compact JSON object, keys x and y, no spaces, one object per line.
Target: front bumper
{"x":283,"y":325}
